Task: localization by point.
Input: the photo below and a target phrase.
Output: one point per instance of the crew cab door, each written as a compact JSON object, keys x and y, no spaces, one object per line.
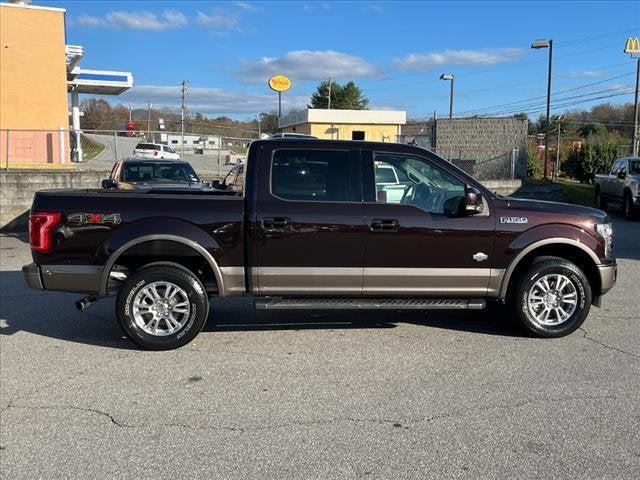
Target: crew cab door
{"x":309,"y":223}
{"x":412,"y":247}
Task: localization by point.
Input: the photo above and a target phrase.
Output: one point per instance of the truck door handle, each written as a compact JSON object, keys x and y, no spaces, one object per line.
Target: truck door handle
{"x":275,"y":222}
{"x":383,"y":225}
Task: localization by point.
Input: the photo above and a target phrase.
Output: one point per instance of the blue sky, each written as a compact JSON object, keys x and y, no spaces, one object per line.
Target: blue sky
{"x":395,"y":51}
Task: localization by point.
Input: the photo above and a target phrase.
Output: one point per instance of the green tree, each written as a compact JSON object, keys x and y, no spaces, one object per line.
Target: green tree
{"x":343,"y":97}
{"x":596,"y":155}
{"x":593,"y":128}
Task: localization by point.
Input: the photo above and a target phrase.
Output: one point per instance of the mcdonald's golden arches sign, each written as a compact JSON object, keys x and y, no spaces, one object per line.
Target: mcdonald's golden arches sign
{"x":632,"y":45}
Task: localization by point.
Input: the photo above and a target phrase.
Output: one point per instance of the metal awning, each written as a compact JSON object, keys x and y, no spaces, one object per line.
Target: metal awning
{"x":99,"y":82}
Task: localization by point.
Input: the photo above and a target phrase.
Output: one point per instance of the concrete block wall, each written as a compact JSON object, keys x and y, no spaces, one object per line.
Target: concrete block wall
{"x":483,"y":146}
{"x":17,"y":188}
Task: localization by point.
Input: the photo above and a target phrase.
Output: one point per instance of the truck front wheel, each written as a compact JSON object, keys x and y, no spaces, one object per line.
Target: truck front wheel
{"x":552,"y":298}
{"x":162,"y":307}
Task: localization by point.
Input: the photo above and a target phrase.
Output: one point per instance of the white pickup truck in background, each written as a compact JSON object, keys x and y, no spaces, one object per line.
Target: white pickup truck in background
{"x":620,"y":187}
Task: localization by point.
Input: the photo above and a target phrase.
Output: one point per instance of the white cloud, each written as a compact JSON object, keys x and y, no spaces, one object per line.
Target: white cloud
{"x":310,"y":7}
{"x":212,"y":101}
{"x":308,"y":65}
{"x":175,"y":18}
{"x":586,"y":74}
{"x":425,"y":61}
{"x":217,"y":21}
{"x":617,"y":88}
{"x":87,"y":21}
{"x":135,"y":20}
{"x":246,"y":6}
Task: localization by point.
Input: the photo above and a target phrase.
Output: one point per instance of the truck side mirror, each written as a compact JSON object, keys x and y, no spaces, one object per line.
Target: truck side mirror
{"x":109,"y":183}
{"x":473,"y":203}
{"x":622,"y":174}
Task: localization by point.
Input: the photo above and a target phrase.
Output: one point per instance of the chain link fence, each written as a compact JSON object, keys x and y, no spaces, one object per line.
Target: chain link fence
{"x":210,"y":155}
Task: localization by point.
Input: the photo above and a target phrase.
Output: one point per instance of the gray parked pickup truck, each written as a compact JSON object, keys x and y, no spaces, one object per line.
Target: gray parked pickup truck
{"x":620,"y":187}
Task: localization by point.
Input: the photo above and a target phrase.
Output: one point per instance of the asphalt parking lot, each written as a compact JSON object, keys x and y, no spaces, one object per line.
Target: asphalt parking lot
{"x":318,"y":395}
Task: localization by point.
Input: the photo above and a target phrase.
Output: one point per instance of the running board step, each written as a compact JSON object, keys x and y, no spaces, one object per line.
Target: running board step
{"x":367,"y":303}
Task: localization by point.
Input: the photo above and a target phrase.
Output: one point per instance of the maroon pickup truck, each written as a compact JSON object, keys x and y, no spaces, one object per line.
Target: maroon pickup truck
{"x":322,"y":224}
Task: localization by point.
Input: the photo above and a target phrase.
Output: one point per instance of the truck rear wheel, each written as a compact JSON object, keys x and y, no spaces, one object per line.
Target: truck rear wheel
{"x":552,"y":298}
{"x":162,"y":307}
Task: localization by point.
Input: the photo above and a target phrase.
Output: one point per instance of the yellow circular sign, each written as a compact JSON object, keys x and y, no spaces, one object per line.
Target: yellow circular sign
{"x":279,"y":83}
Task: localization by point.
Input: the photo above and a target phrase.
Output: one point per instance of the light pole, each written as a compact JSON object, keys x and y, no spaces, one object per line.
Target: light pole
{"x":449,"y":76}
{"x":536,"y":45}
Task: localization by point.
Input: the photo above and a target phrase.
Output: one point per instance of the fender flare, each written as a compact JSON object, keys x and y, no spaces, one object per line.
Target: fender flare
{"x":541,"y":243}
{"x":173,"y":238}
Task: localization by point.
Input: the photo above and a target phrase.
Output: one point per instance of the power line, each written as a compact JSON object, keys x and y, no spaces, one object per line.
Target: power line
{"x":562,"y":99}
{"x":516,"y":102}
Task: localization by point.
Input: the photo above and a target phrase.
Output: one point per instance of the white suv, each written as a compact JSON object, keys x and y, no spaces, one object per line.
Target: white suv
{"x":155,"y":150}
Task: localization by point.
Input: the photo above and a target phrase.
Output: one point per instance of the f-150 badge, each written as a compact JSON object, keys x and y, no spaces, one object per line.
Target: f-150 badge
{"x":514,"y":220}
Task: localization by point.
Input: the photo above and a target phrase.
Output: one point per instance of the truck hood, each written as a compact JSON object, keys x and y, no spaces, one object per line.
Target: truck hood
{"x":556,"y":208}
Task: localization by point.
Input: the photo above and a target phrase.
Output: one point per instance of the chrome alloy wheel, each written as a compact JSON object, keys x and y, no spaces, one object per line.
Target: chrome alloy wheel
{"x":553,"y":299}
{"x":161,"y":308}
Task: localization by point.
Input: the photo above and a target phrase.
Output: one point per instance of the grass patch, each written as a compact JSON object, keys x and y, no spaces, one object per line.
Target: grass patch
{"x":90,"y":148}
{"x":579,"y":193}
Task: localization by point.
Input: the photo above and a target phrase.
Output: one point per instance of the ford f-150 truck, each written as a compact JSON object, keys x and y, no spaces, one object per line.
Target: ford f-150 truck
{"x":313,"y":229}
{"x":621,"y":187}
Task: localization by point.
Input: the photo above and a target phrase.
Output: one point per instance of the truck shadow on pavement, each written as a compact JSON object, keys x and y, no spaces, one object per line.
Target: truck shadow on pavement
{"x":53,"y":315}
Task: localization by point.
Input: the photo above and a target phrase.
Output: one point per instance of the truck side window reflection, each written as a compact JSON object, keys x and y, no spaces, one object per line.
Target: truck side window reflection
{"x":408,"y":180}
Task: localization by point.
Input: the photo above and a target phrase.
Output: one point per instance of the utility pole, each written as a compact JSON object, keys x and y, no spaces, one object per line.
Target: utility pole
{"x":557,"y":166}
{"x":329,"y":96}
{"x":129,"y":113}
{"x":149,"y":121}
{"x":184,"y":93}
{"x":636,"y":140}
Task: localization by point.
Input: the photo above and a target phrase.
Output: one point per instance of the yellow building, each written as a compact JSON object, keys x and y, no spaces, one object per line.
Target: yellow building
{"x":37,"y":71}
{"x":33,"y":84}
{"x":33,"y":72}
{"x":370,"y":125}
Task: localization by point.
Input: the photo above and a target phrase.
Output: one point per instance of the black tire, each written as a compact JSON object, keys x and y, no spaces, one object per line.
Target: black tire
{"x":194,"y":320}
{"x":601,"y":203}
{"x":627,"y":206}
{"x":523,"y":289}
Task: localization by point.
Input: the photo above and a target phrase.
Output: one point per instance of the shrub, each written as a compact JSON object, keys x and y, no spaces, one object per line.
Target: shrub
{"x":595,"y":155}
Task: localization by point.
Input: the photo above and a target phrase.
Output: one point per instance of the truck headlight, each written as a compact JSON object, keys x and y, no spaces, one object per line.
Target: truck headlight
{"x":605,"y":230}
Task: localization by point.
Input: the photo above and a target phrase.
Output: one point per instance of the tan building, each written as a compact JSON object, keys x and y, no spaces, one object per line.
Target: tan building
{"x":37,"y":71}
{"x":33,"y":83}
{"x":370,"y":125}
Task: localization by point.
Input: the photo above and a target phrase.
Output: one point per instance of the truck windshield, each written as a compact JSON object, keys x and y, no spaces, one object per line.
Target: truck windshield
{"x":634,"y":166}
{"x":154,"y":172}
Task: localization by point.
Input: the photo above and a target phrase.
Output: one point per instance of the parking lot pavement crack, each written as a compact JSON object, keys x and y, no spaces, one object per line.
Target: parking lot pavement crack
{"x":585,"y":335}
{"x":72,"y":407}
{"x":70,"y":378}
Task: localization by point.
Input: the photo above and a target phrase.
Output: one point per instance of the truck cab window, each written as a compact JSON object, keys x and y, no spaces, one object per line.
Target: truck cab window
{"x":420,"y":183}
{"x":310,"y":175}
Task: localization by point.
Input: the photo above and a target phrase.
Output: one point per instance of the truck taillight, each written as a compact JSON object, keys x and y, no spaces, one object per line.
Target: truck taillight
{"x":41,"y":225}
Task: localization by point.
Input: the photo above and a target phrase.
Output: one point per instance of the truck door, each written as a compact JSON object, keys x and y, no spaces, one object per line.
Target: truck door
{"x":412,"y":247}
{"x":309,"y":222}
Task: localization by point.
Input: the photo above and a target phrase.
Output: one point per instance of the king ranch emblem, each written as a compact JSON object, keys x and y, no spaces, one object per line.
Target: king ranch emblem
{"x":514,"y":220}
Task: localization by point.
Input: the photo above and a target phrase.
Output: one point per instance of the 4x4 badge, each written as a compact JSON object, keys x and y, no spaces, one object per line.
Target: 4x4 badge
{"x":480,"y":257}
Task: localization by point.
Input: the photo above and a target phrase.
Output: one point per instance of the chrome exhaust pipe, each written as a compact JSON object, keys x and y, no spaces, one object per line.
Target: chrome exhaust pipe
{"x":83,"y":303}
